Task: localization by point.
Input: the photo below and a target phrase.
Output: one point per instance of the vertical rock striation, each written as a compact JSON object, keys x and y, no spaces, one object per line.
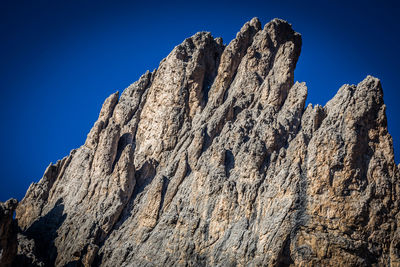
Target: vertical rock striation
{"x":214,"y":160}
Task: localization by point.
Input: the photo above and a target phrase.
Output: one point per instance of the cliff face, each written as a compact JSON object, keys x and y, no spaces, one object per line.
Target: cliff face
{"x":214,"y":160}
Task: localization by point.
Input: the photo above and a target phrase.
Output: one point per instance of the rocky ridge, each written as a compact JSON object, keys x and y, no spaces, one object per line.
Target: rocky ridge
{"x":213,"y":159}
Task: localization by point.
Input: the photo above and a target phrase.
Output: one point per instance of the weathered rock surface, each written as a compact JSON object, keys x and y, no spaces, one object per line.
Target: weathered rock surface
{"x":214,"y":160}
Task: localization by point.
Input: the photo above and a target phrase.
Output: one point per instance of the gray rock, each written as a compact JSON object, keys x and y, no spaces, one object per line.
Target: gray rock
{"x":214,"y":160}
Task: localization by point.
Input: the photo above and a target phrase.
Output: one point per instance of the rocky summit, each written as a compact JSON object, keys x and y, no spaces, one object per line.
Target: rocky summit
{"x":213,"y":159}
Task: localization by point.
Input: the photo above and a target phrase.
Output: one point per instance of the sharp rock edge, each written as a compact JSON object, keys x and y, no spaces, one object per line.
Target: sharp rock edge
{"x":214,"y":160}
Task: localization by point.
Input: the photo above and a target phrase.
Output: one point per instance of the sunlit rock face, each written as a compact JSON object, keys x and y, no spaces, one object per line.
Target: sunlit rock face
{"x":213,"y":159}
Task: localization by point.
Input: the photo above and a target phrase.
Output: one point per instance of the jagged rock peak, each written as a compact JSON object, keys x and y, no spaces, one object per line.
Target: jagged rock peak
{"x":213,"y":159}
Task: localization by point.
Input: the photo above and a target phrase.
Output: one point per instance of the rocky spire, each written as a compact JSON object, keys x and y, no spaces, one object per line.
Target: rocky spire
{"x":213,"y":159}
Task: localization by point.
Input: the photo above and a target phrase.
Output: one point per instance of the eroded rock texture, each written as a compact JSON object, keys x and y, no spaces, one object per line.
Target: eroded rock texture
{"x":214,"y":160}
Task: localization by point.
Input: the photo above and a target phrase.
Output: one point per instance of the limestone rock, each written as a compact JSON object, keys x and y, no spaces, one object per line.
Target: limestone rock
{"x":214,"y":160}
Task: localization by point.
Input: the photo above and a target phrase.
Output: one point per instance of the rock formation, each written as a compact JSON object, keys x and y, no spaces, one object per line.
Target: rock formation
{"x":8,"y":233}
{"x":213,"y":159}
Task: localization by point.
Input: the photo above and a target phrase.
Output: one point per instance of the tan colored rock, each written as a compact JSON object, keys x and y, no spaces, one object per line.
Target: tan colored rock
{"x":214,"y":160}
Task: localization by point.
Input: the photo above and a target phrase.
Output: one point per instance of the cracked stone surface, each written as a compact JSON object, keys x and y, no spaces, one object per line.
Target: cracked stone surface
{"x":213,"y":159}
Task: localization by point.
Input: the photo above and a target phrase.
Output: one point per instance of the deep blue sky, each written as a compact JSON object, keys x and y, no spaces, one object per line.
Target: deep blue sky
{"x":60,"y":59}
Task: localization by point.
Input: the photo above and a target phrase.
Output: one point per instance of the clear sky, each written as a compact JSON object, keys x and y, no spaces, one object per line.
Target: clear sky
{"x":60,"y":59}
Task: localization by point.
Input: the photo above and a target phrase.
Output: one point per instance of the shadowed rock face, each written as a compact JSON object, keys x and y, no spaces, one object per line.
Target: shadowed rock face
{"x":214,"y":160}
{"x":8,"y":233}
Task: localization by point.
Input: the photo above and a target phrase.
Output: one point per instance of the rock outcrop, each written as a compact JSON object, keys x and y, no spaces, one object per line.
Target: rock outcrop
{"x":8,"y":233}
{"x":213,"y":159}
